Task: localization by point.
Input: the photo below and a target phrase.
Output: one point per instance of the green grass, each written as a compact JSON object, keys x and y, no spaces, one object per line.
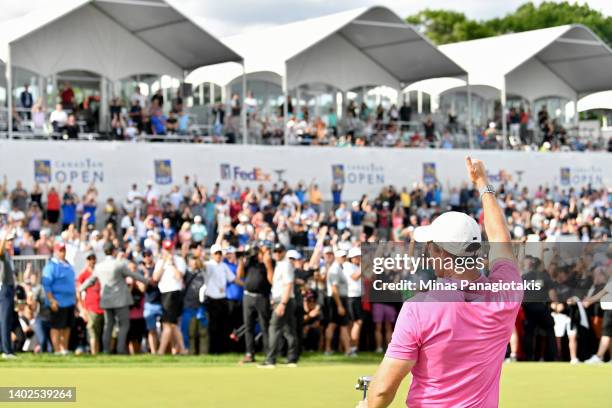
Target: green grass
{"x":218,"y":381}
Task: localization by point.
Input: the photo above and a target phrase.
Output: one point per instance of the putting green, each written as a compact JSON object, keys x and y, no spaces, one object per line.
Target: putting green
{"x":319,"y":382}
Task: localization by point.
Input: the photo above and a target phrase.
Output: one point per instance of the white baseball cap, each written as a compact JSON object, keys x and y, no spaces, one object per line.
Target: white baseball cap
{"x":215,"y":248}
{"x":453,"y":231}
{"x":230,"y":250}
{"x":353,"y":252}
{"x":293,"y":254}
{"x":339,"y":253}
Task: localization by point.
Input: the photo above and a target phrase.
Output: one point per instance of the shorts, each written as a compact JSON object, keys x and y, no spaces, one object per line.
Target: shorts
{"x":63,"y":318}
{"x":355,"y":311}
{"x":334,"y":316}
{"x":53,"y":216}
{"x":152,"y":313}
{"x":606,"y":328}
{"x":95,"y":325}
{"x":138,"y":328}
{"x":563,"y":324}
{"x":383,"y":313}
{"x":172,"y":306}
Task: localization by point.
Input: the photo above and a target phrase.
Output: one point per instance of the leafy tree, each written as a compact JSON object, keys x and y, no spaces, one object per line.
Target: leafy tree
{"x":443,"y":26}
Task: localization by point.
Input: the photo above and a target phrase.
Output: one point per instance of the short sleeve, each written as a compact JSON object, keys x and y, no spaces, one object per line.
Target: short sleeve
{"x":288,"y":274}
{"x":406,"y":340}
{"x":504,"y":270}
{"x":47,"y":276}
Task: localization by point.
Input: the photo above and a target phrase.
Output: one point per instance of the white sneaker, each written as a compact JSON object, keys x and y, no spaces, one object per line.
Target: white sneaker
{"x":594,"y":360}
{"x":574,"y":361}
{"x":379,"y":350}
{"x":8,"y":356}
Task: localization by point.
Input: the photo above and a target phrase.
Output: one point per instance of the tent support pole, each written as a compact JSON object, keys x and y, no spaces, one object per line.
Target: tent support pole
{"x":298,"y":98}
{"x":576,"y":115}
{"x":9,"y":92}
{"x":285,"y":108}
{"x":243,"y":112}
{"x":469,"y":113}
{"x":503,"y":114}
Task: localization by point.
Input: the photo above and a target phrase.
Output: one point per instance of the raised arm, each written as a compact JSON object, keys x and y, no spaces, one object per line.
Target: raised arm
{"x":494,"y":219}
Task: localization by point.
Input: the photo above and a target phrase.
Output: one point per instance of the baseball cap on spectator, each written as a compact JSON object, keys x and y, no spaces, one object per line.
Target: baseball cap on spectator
{"x":167,"y":244}
{"x":455,"y":232}
{"x":243,"y":218}
{"x":59,"y":246}
{"x":340,"y":253}
{"x":278,"y":248}
{"x":147,"y":252}
{"x":230,"y":250}
{"x":328,"y":250}
{"x":8,"y":236}
{"x":293,"y":254}
{"x":197,"y":219}
{"x":215,"y":248}
{"x":353,"y":252}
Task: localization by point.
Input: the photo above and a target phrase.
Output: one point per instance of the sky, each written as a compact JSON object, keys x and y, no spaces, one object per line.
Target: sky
{"x":229,"y":17}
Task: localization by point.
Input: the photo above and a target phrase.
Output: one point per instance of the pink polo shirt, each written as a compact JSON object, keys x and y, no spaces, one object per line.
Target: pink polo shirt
{"x":458,"y":347}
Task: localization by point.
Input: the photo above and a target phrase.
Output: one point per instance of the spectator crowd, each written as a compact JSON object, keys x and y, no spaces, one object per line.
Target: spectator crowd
{"x":139,"y":117}
{"x":273,"y":269}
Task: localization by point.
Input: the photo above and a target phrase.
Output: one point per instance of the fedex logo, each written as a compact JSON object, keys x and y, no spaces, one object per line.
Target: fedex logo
{"x":229,"y":172}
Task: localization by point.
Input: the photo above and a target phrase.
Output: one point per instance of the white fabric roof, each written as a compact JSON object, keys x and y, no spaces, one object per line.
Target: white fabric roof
{"x":598,"y":100}
{"x":557,"y":61}
{"x":367,"y":46}
{"x":114,"y":38}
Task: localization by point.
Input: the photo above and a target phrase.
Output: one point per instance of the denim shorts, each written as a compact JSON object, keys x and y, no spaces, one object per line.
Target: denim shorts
{"x":152,"y":313}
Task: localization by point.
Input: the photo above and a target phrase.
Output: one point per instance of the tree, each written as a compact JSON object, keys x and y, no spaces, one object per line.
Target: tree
{"x":443,"y":26}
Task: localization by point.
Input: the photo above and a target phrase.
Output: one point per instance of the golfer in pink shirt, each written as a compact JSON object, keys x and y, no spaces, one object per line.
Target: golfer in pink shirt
{"x":455,"y":349}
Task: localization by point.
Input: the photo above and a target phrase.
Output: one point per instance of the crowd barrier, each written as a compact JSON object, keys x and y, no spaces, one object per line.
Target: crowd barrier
{"x":113,"y":166}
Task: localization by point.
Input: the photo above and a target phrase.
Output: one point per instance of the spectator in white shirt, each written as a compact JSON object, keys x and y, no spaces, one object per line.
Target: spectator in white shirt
{"x":58,"y":118}
{"x":352,"y":272}
{"x":218,"y":275}
{"x":283,"y":323}
{"x":168,"y":274}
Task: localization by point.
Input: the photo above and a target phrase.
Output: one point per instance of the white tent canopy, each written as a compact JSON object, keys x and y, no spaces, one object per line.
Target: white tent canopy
{"x":114,"y":38}
{"x":368,"y":46}
{"x":565,"y":61}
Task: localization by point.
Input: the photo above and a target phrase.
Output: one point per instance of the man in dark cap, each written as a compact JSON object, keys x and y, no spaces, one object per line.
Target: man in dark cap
{"x":283,"y":306}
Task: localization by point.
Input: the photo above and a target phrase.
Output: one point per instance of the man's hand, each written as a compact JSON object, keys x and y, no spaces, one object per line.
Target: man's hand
{"x":341,"y":310}
{"x":280,"y":310}
{"x":476,"y":172}
{"x":54,"y":306}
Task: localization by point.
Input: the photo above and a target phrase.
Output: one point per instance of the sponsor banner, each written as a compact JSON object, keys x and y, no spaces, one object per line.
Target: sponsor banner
{"x":113,"y":166}
{"x":163,"y":171}
{"x":429,"y":173}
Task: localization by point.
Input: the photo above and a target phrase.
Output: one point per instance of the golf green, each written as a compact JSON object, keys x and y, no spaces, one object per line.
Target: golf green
{"x":147,"y":381}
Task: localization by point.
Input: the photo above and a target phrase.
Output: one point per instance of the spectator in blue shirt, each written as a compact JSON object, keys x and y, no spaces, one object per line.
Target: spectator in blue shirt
{"x":158,"y":123}
{"x":69,"y":212}
{"x":58,"y":280}
{"x":336,"y":194}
